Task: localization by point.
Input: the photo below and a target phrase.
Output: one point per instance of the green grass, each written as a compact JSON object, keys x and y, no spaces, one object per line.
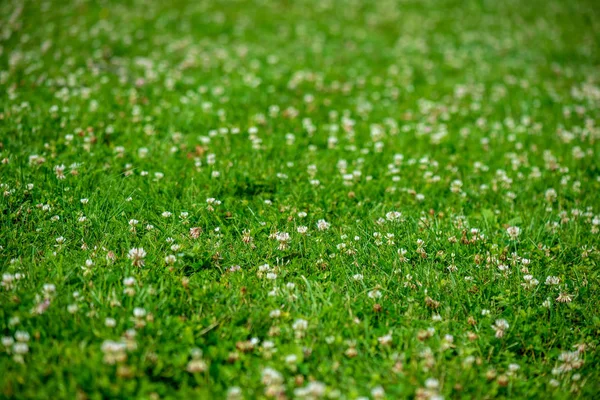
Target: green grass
{"x":469,"y":119}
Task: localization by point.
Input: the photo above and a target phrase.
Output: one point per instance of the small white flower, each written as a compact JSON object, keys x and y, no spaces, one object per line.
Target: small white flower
{"x":500,"y":326}
{"x":300,"y":325}
{"x":20,"y":348}
{"x":323,"y":225}
{"x":513,"y":232}
{"x":22,"y":336}
{"x":129,"y":281}
{"x":271,"y":276}
{"x":49,"y":288}
{"x":139,"y":312}
{"x":432,"y":384}
{"x":136,"y":255}
{"x":291,"y":359}
{"x":378,"y":392}
{"x":170,"y":259}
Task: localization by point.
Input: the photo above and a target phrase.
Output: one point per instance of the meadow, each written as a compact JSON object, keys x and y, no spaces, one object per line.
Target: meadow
{"x":299,"y":199}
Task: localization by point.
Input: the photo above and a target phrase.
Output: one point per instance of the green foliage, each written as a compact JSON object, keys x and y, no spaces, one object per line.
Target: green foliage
{"x":299,"y":199}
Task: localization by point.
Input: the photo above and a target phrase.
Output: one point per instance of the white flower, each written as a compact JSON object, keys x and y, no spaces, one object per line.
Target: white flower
{"x":300,"y":325}
{"x":20,"y":348}
{"x":323,"y":225}
{"x":22,"y":336}
{"x":234,"y":393}
{"x":283,"y":238}
{"x":139,"y":312}
{"x":271,"y":377}
{"x":378,"y":392}
{"x":500,"y":326}
{"x":313,"y":390}
{"x":129,"y":281}
{"x":264,"y":268}
{"x":393,"y":215}
{"x":136,"y":255}
{"x":49,"y":288}
{"x":291,"y":359}
{"x":513,"y":367}
{"x":385,"y":340}
{"x":170,"y":259}
{"x":432,"y":384}
{"x":513,"y":232}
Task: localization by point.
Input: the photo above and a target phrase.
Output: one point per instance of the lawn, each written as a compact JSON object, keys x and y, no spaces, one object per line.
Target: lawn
{"x":299,"y":199}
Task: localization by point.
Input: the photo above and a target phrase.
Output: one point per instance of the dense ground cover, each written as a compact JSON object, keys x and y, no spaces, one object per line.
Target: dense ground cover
{"x":299,"y":199}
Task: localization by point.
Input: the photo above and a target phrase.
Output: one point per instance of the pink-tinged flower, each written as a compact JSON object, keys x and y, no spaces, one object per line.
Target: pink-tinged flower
{"x":195,"y":232}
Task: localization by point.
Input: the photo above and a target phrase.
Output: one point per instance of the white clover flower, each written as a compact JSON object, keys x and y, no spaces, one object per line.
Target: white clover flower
{"x":129,"y":281}
{"x":323,"y":225}
{"x":500,"y":326}
{"x":22,"y":336}
{"x":300,"y":325}
{"x":513,"y":232}
{"x":137,"y":255}
{"x":378,"y":392}
{"x":20,"y":348}
{"x":139,"y":312}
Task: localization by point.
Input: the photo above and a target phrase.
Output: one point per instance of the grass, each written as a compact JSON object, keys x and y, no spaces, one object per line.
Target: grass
{"x":299,"y":199}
